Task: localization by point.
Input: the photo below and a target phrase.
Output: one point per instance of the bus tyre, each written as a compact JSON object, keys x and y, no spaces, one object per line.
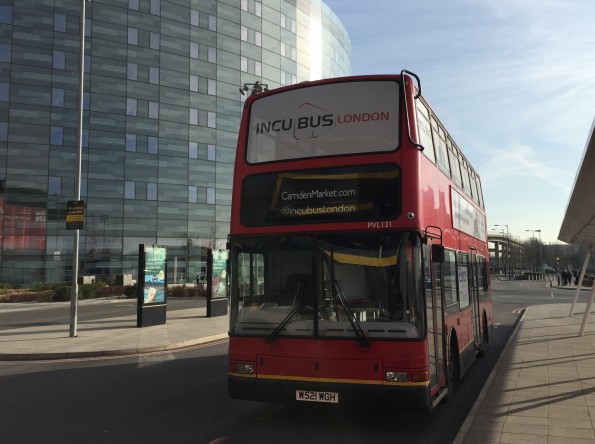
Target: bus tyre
{"x":454,"y":367}
{"x":427,"y":406}
{"x":485,"y":338}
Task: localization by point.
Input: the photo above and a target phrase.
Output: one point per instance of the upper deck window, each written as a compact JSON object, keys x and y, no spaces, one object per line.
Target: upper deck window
{"x":466,"y":182}
{"x":424,"y":130}
{"x":324,"y":120}
{"x":454,"y":163}
{"x":440,"y":145}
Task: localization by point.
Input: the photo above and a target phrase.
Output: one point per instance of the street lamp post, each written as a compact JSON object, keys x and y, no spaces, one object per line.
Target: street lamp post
{"x":509,"y":256}
{"x":520,"y":253}
{"x":79,"y":154}
{"x":540,"y":252}
{"x":501,"y":253}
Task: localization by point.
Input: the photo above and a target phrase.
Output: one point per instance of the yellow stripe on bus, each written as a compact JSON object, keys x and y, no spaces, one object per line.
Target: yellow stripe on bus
{"x":334,"y":380}
{"x":331,"y":176}
{"x":353,"y":259}
{"x":299,"y":378}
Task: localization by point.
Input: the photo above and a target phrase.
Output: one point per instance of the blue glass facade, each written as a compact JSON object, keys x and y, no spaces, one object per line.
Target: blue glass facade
{"x":161,"y":113}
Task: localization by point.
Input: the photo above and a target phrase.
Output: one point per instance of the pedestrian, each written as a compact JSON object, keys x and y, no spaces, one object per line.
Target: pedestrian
{"x":575,"y":277}
{"x":564,"y":277}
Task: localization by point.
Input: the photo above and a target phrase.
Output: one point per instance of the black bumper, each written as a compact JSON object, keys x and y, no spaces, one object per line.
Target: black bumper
{"x":284,"y":391}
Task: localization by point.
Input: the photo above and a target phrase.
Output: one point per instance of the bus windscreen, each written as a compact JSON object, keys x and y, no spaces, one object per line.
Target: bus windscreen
{"x":325,"y":120}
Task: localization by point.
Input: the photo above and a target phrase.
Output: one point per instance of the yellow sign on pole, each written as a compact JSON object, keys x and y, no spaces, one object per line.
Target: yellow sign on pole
{"x":75,"y":214}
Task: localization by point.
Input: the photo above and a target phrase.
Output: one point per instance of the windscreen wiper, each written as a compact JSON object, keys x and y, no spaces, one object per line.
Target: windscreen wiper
{"x":360,"y":333}
{"x":277,"y":331}
{"x":337,"y":293}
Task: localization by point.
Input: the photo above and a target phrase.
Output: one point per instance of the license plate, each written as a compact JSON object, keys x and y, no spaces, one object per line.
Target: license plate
{"x":312,"y":396}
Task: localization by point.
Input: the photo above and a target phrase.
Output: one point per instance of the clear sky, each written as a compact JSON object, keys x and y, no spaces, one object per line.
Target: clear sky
{"x":513,"y":81}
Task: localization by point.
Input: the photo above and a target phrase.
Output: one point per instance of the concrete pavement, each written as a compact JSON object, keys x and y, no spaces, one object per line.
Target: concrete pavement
{"x":542,"y":390}
{"x":110,"y":336}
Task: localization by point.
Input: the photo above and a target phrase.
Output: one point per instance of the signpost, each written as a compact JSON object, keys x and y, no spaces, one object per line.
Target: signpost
{"x":75,"y":218}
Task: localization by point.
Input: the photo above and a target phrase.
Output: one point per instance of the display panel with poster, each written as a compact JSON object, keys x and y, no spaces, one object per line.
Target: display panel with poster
{"x":154,"y":272}
{"x":152,"y":285}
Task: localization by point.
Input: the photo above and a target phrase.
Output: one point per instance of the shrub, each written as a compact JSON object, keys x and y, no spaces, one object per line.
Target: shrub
{"x":199,"y":291}
{"x":176,"y":292}
{"x":130,"y":291}
{"x":96,"y":289}
{"x":59,"y":291}
{"x":86,"y":291}
{"x":42,"y":286}
{"x":110,"y":290}
{"x":47,"y":295}
{"x":4,"y":287}
{"x":181,"y":291}
{"x":62,"y":292}
{"x":25,"y":296}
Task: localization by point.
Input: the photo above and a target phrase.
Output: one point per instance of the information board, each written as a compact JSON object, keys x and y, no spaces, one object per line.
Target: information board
{"x":152,"y":285}
{"x":75,"y":214}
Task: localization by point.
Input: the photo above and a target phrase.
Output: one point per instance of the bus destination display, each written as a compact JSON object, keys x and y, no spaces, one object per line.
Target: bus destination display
{"x":325,"y":195}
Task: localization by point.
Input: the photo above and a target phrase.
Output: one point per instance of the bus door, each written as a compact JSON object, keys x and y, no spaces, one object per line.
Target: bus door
{"x":434,"y":318}
{"x":474,"y":291}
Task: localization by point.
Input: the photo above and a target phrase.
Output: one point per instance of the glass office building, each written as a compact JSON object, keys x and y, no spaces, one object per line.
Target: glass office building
{"x":161,"y":107}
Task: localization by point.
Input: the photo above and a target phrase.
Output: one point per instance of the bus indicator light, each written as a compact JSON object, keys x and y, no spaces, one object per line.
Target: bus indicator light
{"x":420,"y":375}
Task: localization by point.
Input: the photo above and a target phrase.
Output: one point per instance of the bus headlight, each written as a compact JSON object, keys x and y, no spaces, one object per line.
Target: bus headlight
{"x":242,"y":368}
{"x":396,"y":376}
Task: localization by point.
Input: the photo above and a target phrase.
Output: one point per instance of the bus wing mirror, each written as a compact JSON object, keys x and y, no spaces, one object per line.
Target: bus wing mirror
{"x":437,"y":253}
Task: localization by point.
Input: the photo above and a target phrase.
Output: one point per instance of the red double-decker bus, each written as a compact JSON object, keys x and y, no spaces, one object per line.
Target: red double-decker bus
{"x":358,"y":247}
